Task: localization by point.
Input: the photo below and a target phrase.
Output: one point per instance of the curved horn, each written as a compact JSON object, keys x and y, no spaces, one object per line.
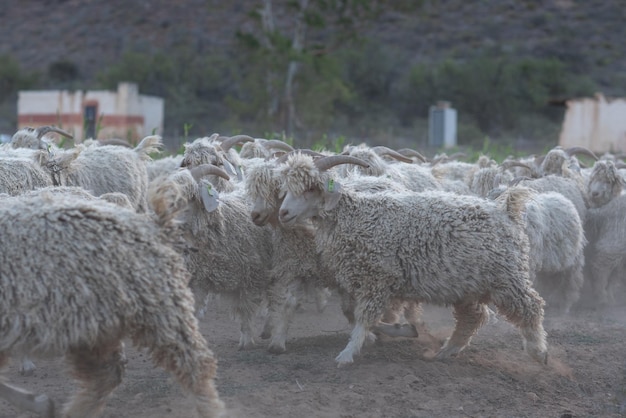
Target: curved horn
{"x":206,"y":170}
{"x":283,"y":158}
{"x":457,"y":155}
{"x":382,"y":150}
{"x":115,"y":141}
{"x":509,"y":164}
{"x":278,"y":144}
{"x":233,"y":140}
{"x":42,"y":130}
{"x":312,"y":153}
{"x":518,"y":180}
{"x":408,"y":152}
{"x":330,"y":161}
{"x":443,"y":158}
{"x":620,"y":165}
{"x":581,"y":150}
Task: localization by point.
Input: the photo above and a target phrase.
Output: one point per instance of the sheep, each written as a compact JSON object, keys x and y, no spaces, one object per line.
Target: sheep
{"x":228,"y":254}
{"x":79,"y":276}
{"x":434,"y":247}
{"x":106,"y":168}
{"x":604,"y":184}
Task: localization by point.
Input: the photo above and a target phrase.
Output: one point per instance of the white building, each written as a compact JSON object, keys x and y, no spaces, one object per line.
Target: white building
{"x":595,"y":123}
{"x":98,"y":114}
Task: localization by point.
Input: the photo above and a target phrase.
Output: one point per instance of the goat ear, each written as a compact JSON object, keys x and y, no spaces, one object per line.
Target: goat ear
{"x":64,"y":160}
{"x":332,"y":194}
{"x":209,"y":197}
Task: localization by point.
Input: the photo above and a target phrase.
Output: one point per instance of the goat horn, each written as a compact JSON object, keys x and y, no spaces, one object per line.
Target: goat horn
{"x":509,"y":164}
{"x":457,"y":155}
{"x":408,"y":152}
{"x":283,"y":158}
{"x":42,"y":130}
{"x":518,"y":180}
{"x":207,"y":169}
{"x":620,"y":165}
{"x":382,"y":150}
{"x":233,"y":140}
{"x":115,"y":141}
{"x":330,"y":161}
{"x":439,"y":159}
{"x":278,"y":144}
{"x":581,"y":150}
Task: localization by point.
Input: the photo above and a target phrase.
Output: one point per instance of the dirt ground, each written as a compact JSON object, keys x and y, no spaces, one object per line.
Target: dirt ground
{"x":493,"y":377}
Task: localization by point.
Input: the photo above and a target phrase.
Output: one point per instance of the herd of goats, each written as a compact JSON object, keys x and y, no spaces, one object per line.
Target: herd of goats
{"x":100,"y":243}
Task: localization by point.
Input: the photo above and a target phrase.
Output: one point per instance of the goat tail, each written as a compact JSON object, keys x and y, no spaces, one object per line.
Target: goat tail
{"x":149,"y":145}
{"x":513,"y":201}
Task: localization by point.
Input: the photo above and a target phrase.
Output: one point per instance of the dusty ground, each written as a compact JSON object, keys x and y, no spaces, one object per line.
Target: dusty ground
{"x":586,"y":376}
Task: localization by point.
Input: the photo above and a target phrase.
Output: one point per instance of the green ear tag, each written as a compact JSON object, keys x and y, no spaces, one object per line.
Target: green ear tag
{"x":209,"y":198}
{"x":331,"y":186}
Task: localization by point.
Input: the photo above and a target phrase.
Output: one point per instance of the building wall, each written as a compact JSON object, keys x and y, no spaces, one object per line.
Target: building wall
{"x":595,"y":123}
{"x":122,"y":114}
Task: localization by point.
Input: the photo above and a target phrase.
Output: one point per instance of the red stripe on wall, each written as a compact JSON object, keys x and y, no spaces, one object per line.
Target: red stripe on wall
{"x":121,"y":120}
{"x":50,"y":119}
{"x":77,"y":119}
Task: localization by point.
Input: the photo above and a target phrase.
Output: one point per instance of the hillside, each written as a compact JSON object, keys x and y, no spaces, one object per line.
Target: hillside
{"x":587,"y":35}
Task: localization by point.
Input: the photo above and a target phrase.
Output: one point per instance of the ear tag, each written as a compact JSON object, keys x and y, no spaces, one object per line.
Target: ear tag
{"x":228,"y":167}
{"x":209,"y":198}
{"x":332,"y":186}
{"x":332,"y":195}
{"x":239,"y":173}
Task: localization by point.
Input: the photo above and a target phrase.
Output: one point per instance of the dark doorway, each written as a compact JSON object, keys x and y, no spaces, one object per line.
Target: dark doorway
{"x":89,"y":121}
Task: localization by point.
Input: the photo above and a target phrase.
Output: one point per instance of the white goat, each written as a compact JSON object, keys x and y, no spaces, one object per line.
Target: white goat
{"x":78,"y":276}
{"x":228,"y":254}
{"x":432,"y":247}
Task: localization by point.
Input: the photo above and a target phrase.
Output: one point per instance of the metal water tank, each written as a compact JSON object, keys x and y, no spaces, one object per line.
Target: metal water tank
{"x":442,"y":121}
